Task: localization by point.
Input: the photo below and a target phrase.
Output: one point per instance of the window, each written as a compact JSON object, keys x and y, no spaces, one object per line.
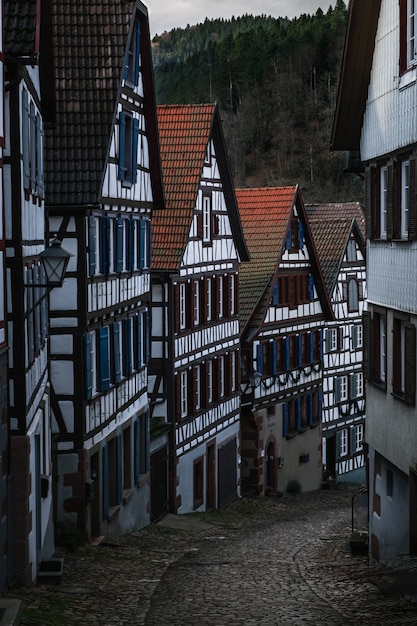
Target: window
{"x":182,"y":306}
{"x":104,"y":358}
{"x":343,"y":442}
{"x":183,"y":392}
{"x":356,"y":336}
{"x":209,"y":376}
{"x":356,"y":385}
{"x":233,"y":357}
{"x":128,"y":148}
{"x":220,"y":296}
{"x":232,"y":290}
{"x":358,"y":432}
{"x":208,"y":299}
{"x":351,"y":251}
{"x":197,"y":387}
{"x":353,"y":295}
{"x":383,"y":201}
{"x":221,"y":373}
{"x":132,"y":62}
{"x":331,"y":339}
{"x":405,"y":198}
{"x":196,"y":302}
{"x":32,"y":150}
{"x":206,"y":218}
{"x":341,"y":388}
{"x":403,"y":360}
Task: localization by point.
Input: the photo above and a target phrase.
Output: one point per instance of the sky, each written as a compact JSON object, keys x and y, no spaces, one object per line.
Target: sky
{"x":164,"y":15}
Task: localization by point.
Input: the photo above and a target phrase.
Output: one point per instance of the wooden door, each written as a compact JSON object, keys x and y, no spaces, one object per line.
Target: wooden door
{"x":159,"y":483}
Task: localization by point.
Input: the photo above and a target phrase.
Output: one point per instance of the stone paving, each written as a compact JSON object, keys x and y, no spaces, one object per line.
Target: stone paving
{"x":264,"y":561}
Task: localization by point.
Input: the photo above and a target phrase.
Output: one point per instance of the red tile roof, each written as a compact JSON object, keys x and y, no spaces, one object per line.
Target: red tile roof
{"x":331,"y":226}
{"x":184,"y":132}
{"x":264,"y":213}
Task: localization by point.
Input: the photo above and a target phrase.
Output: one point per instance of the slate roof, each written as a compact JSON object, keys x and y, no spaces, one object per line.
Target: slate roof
{"x":184,"y":133}
{"x":331,"y":226}
{"x":20,"y":27}
{"x":89,"y":44}
{"x":265,"y":213}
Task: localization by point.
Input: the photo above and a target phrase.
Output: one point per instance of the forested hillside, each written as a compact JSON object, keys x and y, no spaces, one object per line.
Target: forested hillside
{"x":276,"y":84}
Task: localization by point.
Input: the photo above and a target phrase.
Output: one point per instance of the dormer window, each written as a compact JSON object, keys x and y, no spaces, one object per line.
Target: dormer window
{"x":128,"y":148}
{"x":132,"y":64}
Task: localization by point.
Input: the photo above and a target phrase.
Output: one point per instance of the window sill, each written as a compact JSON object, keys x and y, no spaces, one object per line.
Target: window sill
{"x":113,"y":511}
{"x":407,"y":79}
{"x":127,"y":495}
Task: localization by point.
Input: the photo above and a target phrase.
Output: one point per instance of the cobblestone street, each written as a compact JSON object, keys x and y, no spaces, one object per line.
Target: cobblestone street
{"x":270,"y":561}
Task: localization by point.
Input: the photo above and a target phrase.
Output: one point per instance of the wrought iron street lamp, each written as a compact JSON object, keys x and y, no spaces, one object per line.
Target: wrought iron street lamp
{"x":54,"y":260}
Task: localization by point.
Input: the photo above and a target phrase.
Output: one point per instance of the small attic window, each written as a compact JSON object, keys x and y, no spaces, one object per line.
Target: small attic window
{"x":351,"y":251}
{"x":128,"y":148}
{"x":132,"y":63}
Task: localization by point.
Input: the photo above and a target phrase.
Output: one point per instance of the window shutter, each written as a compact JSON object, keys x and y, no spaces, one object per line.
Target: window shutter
{"x":39,"y":156}
{"x":259,"y":358}
{"x":412,"y":213}
{"x":25,"y":139}
{"x":338,"y":444}
{"x":311,"y":287}
{"x":105,"y":479}
{"x":135,"y":136}
{"x":122,"y":169}
{"x":91,"y":245}
{"x":299,"y":349}
{"x":32,"y":146}
{"x":370,"y":196}
{"x":410,"y":363}
{"x":148,"y":242}
{"x":142,"y":243}
{"x":352,"y":386}
{"x":127,"y":323}
{"x":120,"y":245}
{"x":320,"y":340}
{"x":367,"y":348}
{"x":147,"y":335}
{"x":199,"y":224}
{"x":275,"y":293}
{"x":336,"y":389}
{"x":104,"y":358}
{"x":352,"y":439}
{"x":137,"y":53}
{"x":285,"y":424}
{"x":139,"y":346}
{"x":320,"y":404}
{"x":286,"y":350}
{"x":298,"y":414}
{"x":130,"y":226}
{"x":116,"y":352}
{"x":300,"y":234}
{"x":391,"y":226}
{"x":119,"y":470}
{"x":273,"y":357}
{"x":136,"y":451}
{"x":214,"y":224}
{"x":88,"y":366}
{"x":104,"y":244}
{"x":178,"y":396}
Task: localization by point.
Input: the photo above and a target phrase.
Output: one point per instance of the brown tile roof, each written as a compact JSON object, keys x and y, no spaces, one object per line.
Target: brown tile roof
{"x":20,"y":23}
{"x":89,"y":43}
{"x":184,"y":133}
{"x":331,"y":226}
{"x":264,"y":213}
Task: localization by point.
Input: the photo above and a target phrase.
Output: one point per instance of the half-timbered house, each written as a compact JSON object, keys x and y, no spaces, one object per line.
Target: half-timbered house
{"x":28,"y":104}
{"x":376,"y":114}
{"x":5,"y":523}
{"x":103,"y":180}
{"x":338,"y":232}
{"x":283,"y":306}
{"x":194,"y":377}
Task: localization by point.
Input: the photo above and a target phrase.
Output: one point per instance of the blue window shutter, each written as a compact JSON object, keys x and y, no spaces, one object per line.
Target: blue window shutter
{"x":147,"y":334}
{"x":25,"y":139}
{"x":275,"y":294}
{"x":299,"y":348}
{"x":273,"y":357}
{"x":120,"y":244}
{"x":298,"y":413}
{"x":137,"y":53}
{"x":127,"y":323}
{"x":104,"y":358}
{"x":310,"y":346}
{"x":116,"y":352}
{"x":32,"y":140}
{"x":88,"y":367}
{"x":310,"y":409}
{"x":135,"y":135}
{"x":105,"y":480}
{"x":140,"y":347}
{"x":286,"y":355}
{"x":311,"y":286}
{"x":131,"y":245}
{"x":148,"y":242}
{"x":121,"y":170}
{"x":91,"y":245}
{"x":300,"y":234}
{"x":285,"y":423}
{"x":104,"y":245}
{"x":142,"y":243}
{"x":259,"y":359}
{"x":39,"y":155}
{"x":136,"y":451}
{"x":288,"y":239}
{"x":146,"y":425}
{"x":119,"y":461}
